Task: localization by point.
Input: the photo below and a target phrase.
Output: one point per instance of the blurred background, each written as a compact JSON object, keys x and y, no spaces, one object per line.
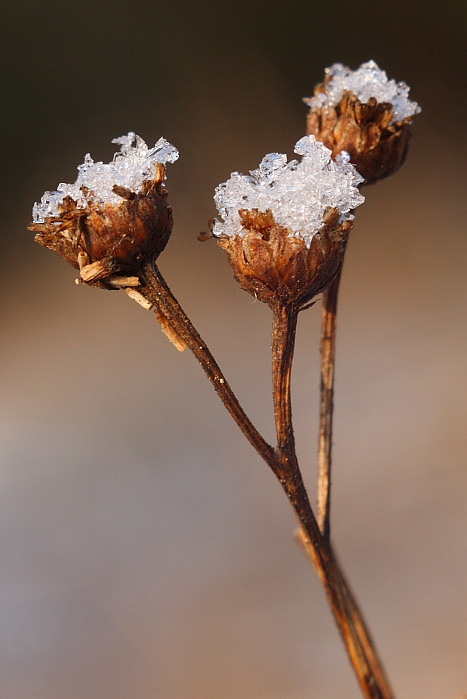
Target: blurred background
{"x":146,"y":552}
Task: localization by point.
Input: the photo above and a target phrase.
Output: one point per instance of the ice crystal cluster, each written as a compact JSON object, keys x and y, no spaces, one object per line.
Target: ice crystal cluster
{"x":298,"y":193}
{"x":365,"y":82}
{"x":130,"y":167}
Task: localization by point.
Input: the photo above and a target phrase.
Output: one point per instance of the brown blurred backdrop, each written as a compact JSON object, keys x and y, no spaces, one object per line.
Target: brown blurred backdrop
{"x":146,"y":552}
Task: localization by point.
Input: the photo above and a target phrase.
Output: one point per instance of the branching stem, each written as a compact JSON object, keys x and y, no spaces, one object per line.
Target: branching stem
{"x":349,"y":620}
{"x":283,"y":462}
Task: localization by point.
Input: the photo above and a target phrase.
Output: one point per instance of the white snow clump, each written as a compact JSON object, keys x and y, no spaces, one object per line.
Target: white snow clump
{"x":297,"y":193}
{"x":130,"y":167}
{"x":365,"y":82}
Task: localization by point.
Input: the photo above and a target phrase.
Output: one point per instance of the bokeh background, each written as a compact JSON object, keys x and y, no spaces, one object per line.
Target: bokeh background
{"x":146,"y":552}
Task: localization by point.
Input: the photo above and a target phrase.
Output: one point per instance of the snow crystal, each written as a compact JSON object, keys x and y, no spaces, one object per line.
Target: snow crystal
{"x":130,"y":167}
{"x":365,"y":82}
{"x":297,"y":193}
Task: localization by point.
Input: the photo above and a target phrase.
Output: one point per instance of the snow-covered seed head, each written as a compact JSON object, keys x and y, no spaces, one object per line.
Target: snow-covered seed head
{"x":284,"y":226}
{"x":364,"y":113}
{"x":114,"y":217}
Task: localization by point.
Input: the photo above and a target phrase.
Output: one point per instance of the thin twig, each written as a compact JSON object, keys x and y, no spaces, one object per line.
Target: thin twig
{"x":169,"y":311}
{"x":328,"y":355}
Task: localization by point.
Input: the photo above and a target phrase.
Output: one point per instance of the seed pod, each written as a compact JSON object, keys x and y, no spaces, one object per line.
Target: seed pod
{"x":285,"y":226}
{"x":114,"y":218}
{"x":365,"y":114}
{"x":275,"y":266}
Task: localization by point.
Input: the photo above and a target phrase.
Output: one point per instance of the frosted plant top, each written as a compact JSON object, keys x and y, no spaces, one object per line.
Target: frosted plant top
{"x":365,"y":82}
{"x":298,"y":193}
{"x":129,"y":168}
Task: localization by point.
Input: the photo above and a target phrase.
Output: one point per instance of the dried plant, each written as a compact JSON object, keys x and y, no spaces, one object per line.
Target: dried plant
{"x":285,"y":228}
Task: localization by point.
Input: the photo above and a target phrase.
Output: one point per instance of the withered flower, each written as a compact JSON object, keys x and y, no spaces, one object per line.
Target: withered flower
{"x":365,"y":114}
{"x":285,"y":226}
{"x":114,"y":217}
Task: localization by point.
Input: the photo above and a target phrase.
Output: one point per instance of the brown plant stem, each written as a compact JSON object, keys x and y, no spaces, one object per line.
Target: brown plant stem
{"x":283,"y":343}
{"x":171,"y":315}
{"x":283,"y":462}
{"x":326,"y":411}
{"x":359,"y":645}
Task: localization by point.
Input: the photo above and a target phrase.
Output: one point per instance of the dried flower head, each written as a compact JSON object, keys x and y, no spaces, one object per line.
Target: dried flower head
{"x":285,"y":225}
{"x":365,"y":114}
{"x":114,"y":216}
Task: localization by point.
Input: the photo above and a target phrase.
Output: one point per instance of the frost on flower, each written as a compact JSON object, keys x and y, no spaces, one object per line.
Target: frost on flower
{"x":365,"y":114}
{"x":365,"y":82}
{"x":115,"y":218}
{"x":130,"y":168}
{"x":298,"y":193}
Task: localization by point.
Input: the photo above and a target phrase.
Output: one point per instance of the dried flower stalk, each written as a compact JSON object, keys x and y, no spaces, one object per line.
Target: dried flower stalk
{"x":368,"y":116}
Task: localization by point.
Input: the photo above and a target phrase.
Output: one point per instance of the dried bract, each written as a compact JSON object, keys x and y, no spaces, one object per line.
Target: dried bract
{"x":365,"y":114}
{"x":114,"y":217}
{"x":277,"y":267}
